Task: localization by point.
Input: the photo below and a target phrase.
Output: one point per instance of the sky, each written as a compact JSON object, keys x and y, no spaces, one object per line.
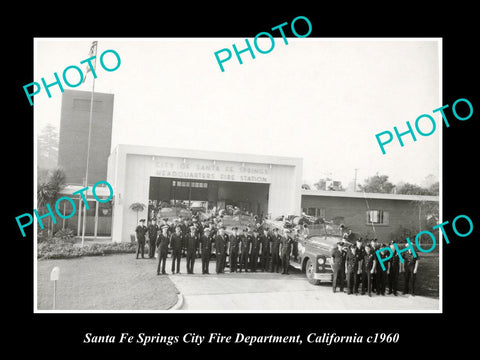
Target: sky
{"x":322,"y":100}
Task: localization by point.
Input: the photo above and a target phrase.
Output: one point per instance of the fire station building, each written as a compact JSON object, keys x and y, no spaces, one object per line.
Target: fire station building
{"x":261,"y":185}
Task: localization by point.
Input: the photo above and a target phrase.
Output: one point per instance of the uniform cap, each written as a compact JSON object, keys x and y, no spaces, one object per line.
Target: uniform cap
{"x":142,"y":220}
{"x":164,"y":227}
{"x":207,"y":230}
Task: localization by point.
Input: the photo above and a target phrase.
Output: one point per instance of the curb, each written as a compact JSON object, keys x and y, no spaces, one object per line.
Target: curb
{"x":179,"y":304}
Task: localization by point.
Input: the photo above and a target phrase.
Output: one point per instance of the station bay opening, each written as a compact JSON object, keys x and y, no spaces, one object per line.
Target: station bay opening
{"x":199,"y":194}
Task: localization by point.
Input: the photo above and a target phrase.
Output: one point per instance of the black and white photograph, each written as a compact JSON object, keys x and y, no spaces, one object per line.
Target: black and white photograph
{"x":293,"y":182}
{"x":288,"y":182}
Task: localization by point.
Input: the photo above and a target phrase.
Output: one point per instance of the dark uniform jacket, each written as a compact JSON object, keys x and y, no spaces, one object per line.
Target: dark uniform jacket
{"x":410,"y":261}
{"x":246,"y":244}
{"x":141,"y":230}
{"x":276,"y":244}
{"x":162,"y":243}
{"x":206,"y":244}
{"x":256,"y":244}
{"x":394,"y":263}
{"x":184,"y":228}
{"x":191,"y":243}
{"x":360,"y":251}
{"x":338,"y":257}
{"x":153,"y":232}
{"x":220,"y":244}
{"x":176,"y":242}
{"x":235,"y":243}
{"x":352,"y":261}
{"x":368,"y":260}
{"x":266,"y":241}
{"x":287,"y":243}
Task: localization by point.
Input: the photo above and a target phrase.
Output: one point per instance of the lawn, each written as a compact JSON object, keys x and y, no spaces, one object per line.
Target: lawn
{"x":112,"y":282}
{"x":427,"y":281}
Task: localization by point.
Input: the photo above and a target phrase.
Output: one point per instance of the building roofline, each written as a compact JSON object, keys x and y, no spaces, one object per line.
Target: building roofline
{"x":351,"y":194}
{"x":69,"y":189}
{"x":206,"y":154}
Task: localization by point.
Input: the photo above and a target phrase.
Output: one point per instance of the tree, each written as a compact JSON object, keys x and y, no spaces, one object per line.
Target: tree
{"x":377,"y":184}
{"x":412,"y":189}
{"x":434,"y":189}
{"x":47,"y":147}
{"x":137,"y":207}
{"x":48,"y":190}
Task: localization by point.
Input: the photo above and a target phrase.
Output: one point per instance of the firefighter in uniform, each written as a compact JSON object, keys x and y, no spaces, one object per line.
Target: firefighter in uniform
{"x":369,"y":264}
{"x":255,"y":250}
{"x":411,"y":267}
{"x":352,"y":261}
{"x":338,"y":260}
{"x":176,"y":244}
{"x":141,"y":230}
{"x":266,"y":241}
{"x":235,"y":243}
{"x":286,"y":249}
{"x":220,"y":249}
{"x":191,"y":245}
{"x":162,"y":245}
{"x":164,"y":222}
{"x":374,"y":246}
{"x":381,"y":274}
{"x":206,"y":249}
{"x":245,"y":250}
{"x":152,"y":238}
{"x":392,"y":271}
{"x":275,"y":251}
{"x":360,"y":256}
{"x":296,"y":235}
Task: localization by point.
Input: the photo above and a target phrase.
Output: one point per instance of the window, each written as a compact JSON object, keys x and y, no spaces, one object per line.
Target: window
{"x":187,"y":184}
{"x":378,"y":217}
{"x":312,"y":211}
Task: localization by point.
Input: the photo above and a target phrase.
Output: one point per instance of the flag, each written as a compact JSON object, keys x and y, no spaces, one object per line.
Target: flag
{"x":92,"y":52}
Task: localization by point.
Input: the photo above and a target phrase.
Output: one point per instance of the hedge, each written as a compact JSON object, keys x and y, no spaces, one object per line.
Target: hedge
{"x":66,"y":250}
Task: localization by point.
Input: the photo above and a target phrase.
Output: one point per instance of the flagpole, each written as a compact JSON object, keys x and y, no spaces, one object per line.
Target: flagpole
{"x":88,"y":147}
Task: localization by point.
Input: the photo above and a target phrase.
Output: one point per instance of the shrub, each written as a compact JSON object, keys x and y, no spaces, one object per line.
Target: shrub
{"x":65,"y":234}
{"x":61,"y":250}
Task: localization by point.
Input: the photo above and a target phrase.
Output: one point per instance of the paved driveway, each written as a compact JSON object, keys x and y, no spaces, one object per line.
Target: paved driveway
{"x":275,"y":292}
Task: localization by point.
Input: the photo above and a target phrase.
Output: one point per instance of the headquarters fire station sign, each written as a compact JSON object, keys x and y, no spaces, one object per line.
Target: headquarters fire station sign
{"x":212,"y":170}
